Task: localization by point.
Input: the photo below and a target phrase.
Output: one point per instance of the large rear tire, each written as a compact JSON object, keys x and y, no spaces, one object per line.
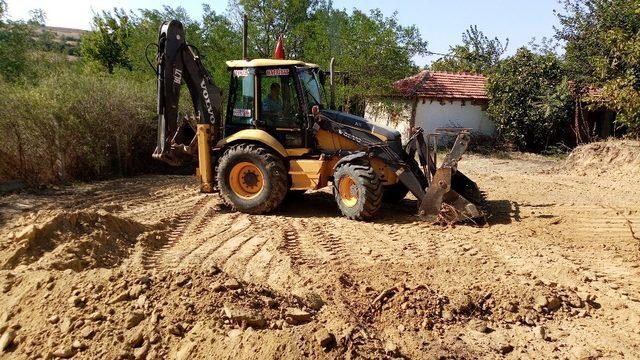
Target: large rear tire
{"x":357,"y":190}
{"x":252,"y":179}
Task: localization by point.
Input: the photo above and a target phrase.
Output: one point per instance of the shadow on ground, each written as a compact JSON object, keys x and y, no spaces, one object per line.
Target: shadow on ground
{"x":321,"y":204}
{"x":502,"y":212}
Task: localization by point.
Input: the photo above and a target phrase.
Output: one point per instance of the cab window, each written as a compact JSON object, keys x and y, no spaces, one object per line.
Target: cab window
{"x":311,"y":86}
{"x":242,"y":97}
{"x":278,"y":98}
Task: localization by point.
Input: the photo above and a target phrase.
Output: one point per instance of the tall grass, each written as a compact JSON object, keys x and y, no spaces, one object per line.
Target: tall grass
{"x":74,"y":125}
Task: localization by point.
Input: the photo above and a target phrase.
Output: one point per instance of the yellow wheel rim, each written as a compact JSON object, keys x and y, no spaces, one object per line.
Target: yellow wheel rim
{"x":246,"y":180}
{"x":348,"y":191}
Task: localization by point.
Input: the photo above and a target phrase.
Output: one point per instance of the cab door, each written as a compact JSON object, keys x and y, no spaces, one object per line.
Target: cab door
{"x":279,"y":105}
{"x":242,"y":104}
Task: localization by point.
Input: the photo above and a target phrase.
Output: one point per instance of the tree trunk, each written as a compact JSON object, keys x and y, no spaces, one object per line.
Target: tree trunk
{"x":580,"y":127}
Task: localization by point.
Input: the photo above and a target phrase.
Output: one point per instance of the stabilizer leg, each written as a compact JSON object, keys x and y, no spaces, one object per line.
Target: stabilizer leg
{"x":204,"y":158}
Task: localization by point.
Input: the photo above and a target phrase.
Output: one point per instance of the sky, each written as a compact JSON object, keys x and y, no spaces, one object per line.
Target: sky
{"x":441,"y":23}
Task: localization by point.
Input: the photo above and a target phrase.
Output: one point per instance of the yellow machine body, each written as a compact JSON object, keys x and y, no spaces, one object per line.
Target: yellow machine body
{"x":306,"y":173}
{"x":276,"y":104}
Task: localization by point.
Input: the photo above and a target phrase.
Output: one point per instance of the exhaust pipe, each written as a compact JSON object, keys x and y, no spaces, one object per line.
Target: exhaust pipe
{"x":332,"y":91}
{"x":245,"y":22}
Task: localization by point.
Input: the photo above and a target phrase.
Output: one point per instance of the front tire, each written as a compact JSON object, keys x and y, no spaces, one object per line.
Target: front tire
{"x":357,"y":190}
{"x":252,"y":179}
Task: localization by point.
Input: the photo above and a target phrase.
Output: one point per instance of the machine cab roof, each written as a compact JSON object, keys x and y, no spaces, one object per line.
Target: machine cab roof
{"x":267,"y":62}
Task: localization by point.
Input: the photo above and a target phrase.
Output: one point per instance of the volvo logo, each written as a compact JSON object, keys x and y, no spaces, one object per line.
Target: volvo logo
{"x":205,"y":95}
{"x":177,"y":76}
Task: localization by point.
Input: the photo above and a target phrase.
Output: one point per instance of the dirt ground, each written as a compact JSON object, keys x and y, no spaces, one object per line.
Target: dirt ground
{"x":148,"y":267}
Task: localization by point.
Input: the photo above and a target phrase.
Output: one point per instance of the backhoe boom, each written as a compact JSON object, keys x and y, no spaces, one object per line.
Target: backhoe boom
{"x":178,"y":62}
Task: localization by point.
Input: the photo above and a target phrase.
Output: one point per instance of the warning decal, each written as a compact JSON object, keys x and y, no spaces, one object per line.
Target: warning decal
{"x":277,"y":72}
{"x":242,"y":112}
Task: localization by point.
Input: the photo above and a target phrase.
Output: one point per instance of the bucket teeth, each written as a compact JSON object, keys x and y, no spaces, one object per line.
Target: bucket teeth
{"x":452,"y":198}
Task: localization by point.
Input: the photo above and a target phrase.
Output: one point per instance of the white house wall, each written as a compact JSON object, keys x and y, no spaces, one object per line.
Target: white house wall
{"x":398,"y":116}
{"x":431,"y":115}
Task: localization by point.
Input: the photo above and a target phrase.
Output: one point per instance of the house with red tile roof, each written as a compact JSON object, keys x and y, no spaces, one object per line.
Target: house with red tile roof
{"x":433,"y":99}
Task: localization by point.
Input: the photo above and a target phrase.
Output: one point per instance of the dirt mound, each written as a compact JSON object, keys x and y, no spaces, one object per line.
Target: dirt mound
{"x":420,"y":307}
{"x":77,"y":240}
{"x":423,"y":308}
{"x":606,"y":157}
{"x":555,"y":277}
{"x":94,"y":315}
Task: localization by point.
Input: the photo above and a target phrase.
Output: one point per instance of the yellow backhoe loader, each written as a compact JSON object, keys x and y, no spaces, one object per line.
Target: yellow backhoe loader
{"x":276,"y":136}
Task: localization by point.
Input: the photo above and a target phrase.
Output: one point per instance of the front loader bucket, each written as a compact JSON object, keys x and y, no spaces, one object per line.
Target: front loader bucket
{"x":451,"y":196}
{"x":445,"y":200}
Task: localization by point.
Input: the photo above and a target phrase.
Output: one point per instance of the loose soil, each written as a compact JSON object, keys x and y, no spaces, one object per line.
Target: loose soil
{"x":148,"y":267}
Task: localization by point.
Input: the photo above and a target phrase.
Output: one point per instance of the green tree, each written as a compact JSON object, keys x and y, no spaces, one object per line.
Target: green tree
{"x":109,"y":42}
{"x":477,"y":54}
{"x":530,"y":101}
{"x":270,"y":18}
{"x":37,"y":17}
{"x":603,"y":50}
{"x":15,"y":44}
{"x":144,"y":27}
{"x":371,"y":50}
{"x":221,"y":41}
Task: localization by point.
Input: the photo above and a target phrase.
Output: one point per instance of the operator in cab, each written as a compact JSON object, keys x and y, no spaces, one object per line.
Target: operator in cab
{"x":273,"y":104}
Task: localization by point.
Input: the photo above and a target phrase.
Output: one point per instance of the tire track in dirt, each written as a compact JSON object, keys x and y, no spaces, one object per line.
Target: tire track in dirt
{"x":430,"y":245}
{"x":594,"y":222}
{"x":240,"y":244}
{"x":362,"y":245}
{"x":414,"y":238}
{"x":552,"y":263}
{"x":240,"y":258}
{"x":257,"y":260}
{"x":292,"y":245}
{"x":582,"y":227}
{"x":326,"y":245}
{"x":135,"y":193}
{"x":237,"y":253}
{"x":252,"y":254}
{"x":151,"y":256}
{"x":187,"y":254}
{"x":156,"y":205}
{"x":556,"y":256}
{"x":199,"y":247}
{"x":220,"y":230}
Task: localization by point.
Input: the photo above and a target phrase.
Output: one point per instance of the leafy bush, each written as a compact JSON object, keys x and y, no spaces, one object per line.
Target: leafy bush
{"x":75,"y":126}
{"x":530,"y":101}
{"x":15,"y":41}
{"x":603,"y":51}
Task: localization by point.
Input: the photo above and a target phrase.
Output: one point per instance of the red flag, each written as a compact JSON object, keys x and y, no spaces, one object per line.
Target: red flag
{"x":279,"y":51}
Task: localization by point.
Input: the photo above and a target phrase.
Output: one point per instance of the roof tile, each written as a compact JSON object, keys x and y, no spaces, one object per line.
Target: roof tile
{"x":444,"y":85}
